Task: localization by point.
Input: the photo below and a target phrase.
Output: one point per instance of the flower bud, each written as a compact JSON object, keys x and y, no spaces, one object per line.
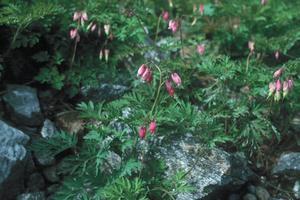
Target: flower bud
{"x":277,"y":55}
{"x":152,"y":127}
{"x":278,"y":73}
{"x":264,"y":2}
{"x":170,"y":88}
{"x":142,"y":132}
{"x":290,"y":84}
{"x":76,"y":15}
{"x":278,"y":85}
{"x":141,"y":70}
{"x":147,"y":75}
{"x":201,"y":49}
{"x":251,"y":46}
{"x":107,"y":29}
{"x":73,"y":33}
{"x":165,"y":15}
{"x":106,"y":54}
{"x":176,"y":79}
{"x":173,"y":25}
{"x":201,"y":9}
{"x":84,"y":16}
{"x":272,"y":88}
{"x":101,"y":54}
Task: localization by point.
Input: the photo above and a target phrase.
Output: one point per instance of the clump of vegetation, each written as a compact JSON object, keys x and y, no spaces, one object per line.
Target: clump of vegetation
{"x":225,"y":71}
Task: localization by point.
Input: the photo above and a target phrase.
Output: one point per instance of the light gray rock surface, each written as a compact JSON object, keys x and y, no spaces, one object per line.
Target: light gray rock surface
{"x":288,"y":164}
{"x":23,"y":105}
{"x":210,"y":171}
{"x":48,"y":129}
{"x":32,"y":196}
{"x":12,"y":160}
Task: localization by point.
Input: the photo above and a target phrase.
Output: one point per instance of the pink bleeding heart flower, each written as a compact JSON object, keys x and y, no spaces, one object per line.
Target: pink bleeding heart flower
{"x":101,"y":54}
{"x":277,"y":55}
{"x":201,"y":49}
{"x":84,"y":16}
{"x":147,"y":75}
{"x":264,"y":2}
{"x":201,"y":9}
{"x":106,"y":54}
{"x":272,"y":88}
{"x":76,"y":16}
{"x":176,"y":79}
{"x":165,"y":15}
{"x":251,"y":46}
{"x":278,"y":73}
{"x":152,"y":127}
{"x":106,"y":29}
{"x":290,"y":84}
{"x":285,"y":88}
{"x":170,"y":88}
{"x":278,"y":85}
{"x":141,"y":70}
{"x":173,"y":25}
{"x":142,"y":132}
{"x":73,"y":33}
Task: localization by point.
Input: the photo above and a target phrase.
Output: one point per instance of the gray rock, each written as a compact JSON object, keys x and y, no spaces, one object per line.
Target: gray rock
{"x":32,"y":196}
{"x":210,"y":171}
{"x":23,"y":105}
{"x":48,"y":129}
{"x":103,"y":92}
{"x":51,"y":175}
{"x":262,"y":193}
{"x":296,"y":189}
{"x":12,"y":148}
{"x":13,"y":160}
{"x":249,"y":197}
{"x":36,"y":182}
{"x":288,"y":164}
{"x":113,"y":161}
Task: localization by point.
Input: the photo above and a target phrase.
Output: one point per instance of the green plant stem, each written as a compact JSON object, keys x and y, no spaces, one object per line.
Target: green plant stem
{"x":158,"y":90}
{"x":74,"y":53}
{"x":163,"y":190}
{"x":13,"y":41}
{"x":248,"y":61}
{"x":157,"y":29}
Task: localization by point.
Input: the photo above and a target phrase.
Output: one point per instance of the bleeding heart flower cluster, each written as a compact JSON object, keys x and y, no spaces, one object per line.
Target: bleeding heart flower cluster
{"x":81,"y":17}
{"x":143,"y":129}
{"x":174,"y":24}
{"x":277,"y":86}
{"x":145,"y":73}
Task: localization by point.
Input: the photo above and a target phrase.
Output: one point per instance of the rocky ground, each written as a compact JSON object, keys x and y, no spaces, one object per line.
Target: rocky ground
{"x":28,"y":114}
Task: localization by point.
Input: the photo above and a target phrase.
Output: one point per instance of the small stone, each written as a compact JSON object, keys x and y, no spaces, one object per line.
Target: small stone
{"x":51,"y":174}
{"x":296,"y":189}
{"x":23,"y":105}
{"x":262,"y":193}
{"x":32,"y":196}
{"x":48,"y":129}
{"x":288,"y":164}
{"x":249,"y":197}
